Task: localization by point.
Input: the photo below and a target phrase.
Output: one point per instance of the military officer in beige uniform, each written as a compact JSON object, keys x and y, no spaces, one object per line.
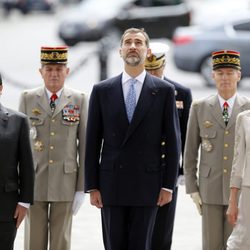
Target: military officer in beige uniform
{"x":211,"y":128}
{"x":57,"y":117}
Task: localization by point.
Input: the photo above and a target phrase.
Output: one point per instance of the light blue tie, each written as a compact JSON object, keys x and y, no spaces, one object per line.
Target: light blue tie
{"x":131,"y":99}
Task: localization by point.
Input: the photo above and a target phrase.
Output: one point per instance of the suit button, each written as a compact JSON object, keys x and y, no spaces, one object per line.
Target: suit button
{"x":225,"y":158}
{"x":163,"y":143}
{"x":51,"y":161}
{"x":226,"y":145}
{"x":225,"y":171}
{"x":52,"y":133}
{"x":163,"y":156}
{"x":120,"y":166}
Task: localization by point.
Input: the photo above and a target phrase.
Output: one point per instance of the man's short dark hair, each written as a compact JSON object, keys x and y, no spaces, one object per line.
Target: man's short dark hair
{"x":1,"y":80}
{"x":136,"y":30}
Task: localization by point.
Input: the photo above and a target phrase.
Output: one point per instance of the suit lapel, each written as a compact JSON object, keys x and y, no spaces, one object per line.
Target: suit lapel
{"x":216,"y":110}
{"x":147,"y":96}
{"x":43,"y":101}
{"x":115,"y":97}
{"x":237,"y":108}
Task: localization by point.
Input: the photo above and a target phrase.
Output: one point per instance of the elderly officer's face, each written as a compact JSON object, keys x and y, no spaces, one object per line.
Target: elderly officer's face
{"x":157,"y":72}
{"x":134,"y":49}
{"x":226,"y":80}
{"x":54,"y":76}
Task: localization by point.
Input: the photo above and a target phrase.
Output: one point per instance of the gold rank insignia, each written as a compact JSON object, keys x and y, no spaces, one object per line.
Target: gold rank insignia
{"x":207,"y":124}
{"x":36,"y":111}
{"x":179,"y":105}
{"x":206,"y":145}
{"x":38,"y":146}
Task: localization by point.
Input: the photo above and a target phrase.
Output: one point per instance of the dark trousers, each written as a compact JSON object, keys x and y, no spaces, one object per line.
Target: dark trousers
{"x":164,"y":224}
{"x":7,"y":235}
{"x":127,"y":228}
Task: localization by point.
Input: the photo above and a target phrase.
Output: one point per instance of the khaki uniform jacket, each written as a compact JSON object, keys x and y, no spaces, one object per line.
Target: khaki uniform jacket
{"x":213,"y":162}
{"x":58,"y":142}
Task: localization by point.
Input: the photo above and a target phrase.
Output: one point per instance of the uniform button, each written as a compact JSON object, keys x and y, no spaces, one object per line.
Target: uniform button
{"x":52,"y":133}
{"x":51,"y":147}
{"x":226,"y":132}
{"x":33,"y":123}
{"x":225,"y":158}
{"x":163,"y":156}
{"x":163,"y":143}
{"x":51,"y":161}
{"x":226,"y":145}
{"x":225,"y":171}
{"x":53,"y":120}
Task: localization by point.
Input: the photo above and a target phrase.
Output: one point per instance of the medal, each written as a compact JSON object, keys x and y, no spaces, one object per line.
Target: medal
{"x":71,"y":113}
{"x":38,"y":146}
{"x":179,"y":105}
{"x":33,"y":133}
{"x":206,"y":145}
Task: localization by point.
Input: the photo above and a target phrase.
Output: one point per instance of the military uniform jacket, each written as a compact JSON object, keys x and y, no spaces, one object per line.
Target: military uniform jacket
{"x":183,"y":101}
{"x":207,"y":131}
{"x":58,"y":142}
{"x":16,"y":163}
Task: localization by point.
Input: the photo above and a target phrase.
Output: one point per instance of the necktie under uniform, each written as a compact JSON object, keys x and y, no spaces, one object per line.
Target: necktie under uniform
{"x":52,"y":102}
{"x":130,"y":100}
{"x":225,"y":113}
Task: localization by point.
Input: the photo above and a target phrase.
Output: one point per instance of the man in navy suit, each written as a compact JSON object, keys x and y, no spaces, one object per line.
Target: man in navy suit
{"x":164,"y":224}
{"x":16,"y":173}
{"x":131,"y":157}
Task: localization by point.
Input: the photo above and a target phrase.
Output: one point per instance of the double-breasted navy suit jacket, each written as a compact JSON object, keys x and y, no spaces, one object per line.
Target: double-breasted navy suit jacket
{"x":16,"y":162}
{"x":130,"y":163}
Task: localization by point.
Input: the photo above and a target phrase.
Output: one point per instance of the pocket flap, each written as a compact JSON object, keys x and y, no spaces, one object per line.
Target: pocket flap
{"x":208,"y":133}
{"x":205,"y":171}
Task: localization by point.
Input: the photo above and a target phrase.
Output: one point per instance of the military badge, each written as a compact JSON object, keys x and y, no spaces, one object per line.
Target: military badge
{"x":36,"y":111}
{"x":179,"y":105}
{"x":206,"y":145}
{"x":33,"y":133}
{"x":71,"y":113}
{"x":207,"y":124}
{"x":38,"y":146}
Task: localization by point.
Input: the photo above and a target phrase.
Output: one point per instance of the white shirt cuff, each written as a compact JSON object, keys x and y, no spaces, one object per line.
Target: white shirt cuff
{"x":169,"y":190}
{"x":27,"y":205}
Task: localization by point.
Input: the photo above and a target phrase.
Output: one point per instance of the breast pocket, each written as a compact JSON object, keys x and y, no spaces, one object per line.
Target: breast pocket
{"x":208,"y":134}
{"x":207,"y":140}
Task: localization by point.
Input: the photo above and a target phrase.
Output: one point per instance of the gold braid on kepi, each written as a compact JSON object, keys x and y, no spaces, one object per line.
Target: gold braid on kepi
{"x":54,"y":55}
{"x":226,"y":59}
